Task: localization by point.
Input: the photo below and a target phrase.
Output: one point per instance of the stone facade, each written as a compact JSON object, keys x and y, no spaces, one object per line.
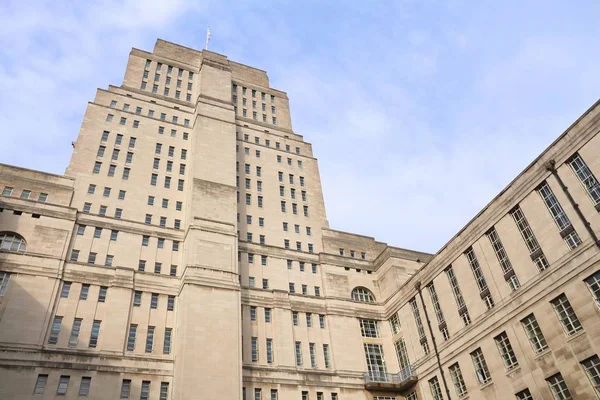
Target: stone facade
{"x":186,"y":254}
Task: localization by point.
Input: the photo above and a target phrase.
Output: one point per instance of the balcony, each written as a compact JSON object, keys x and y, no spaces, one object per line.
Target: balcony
{"x":391,"y":382}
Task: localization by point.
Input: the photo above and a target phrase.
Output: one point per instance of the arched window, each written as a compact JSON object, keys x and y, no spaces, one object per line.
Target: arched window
{"x":363,"y":295}
{"x":12,"y":242}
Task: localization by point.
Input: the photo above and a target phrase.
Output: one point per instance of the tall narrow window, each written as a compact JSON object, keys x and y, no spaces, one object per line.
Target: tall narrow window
{"x":55,"y":331}
{"x":419,"y":323}
{"x":74,"y":338}
{"x":592,"y":367}
{"x":131,"y":337}
{"x":84,"y":386}
{"x":535,"y":251}
{"x":593,"y":283}
{"x":299,"y":354}
{"x":150,"y":339}
{"x":567,"y":232}
{"x":558,"y":387}
{"x":587,"y":179}
{"x":254,"y":349}
{"x":436,"y":390}
{"x":164,"y":391}
{"x":145,"y":392}
{"x":457,"y":379}
{"x":481,"y":369}
{"x":368,"y":328}
{"x":40,"y":384}
{"x":63,"y":385}
{"x":509,"y":274}
{"x":167,"y":341}
{"x":125,"y":388}
{"x":269,"y":351}
{"x":438,"y":311}
{"x":313,"y":355}
{"x":326,"y":356}
{"x":375,"y":362}
{"x":95,"y":333}
{"x":566,"y":315}
{"x":534,"y":333}
{"x":460,"y":301}
{"x":506,"y":351}
{"x":484,"y":291}
{"x":402,"y":355}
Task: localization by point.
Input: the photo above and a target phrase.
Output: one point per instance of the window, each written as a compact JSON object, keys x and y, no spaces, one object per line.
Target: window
{"x":55,"y":330}
{"x":560,"y":217}
{"x":154,"y":301}
{"x":304,"y":290}
{"x":375,"y":364}
{"x":84,"y":387}
{"x":592,"y":367}
{"x":4,"y":279}
{"x":402,"y":355}
{"x":109,"y":118}
{"x":534,"y":334}
{"x":299,"y":354}
{"x":368,"y":328}
{"x":126,"y":173}
{"x":457,"y":379}
{"x":12,"y":242}
{"x":137,"y":298}
{"x":97,"y":166}
{"x":125,"y":388}
{"x":65,"y":289}
{"x":257,"y":394}
{"x":476,"y":269}
{"x":267,"y":315}
{"x":506,"y":351}
{"x":265,"y":284}
{"x":505,"y":264}
{"x":85,"y":289}
{"x":273,"y":394}
{"x":313,"y":355}
{"x":308,"y":320}
{"x":481,"y":370}
{"x":145,"y":392}
{"x":558,"y":387}
{"x":419,"y":324}
{"x":363,"y":295}
{"x":434,"y":387}
{"x":524,"y":395}
{"x":586,"y":178}
{"x":326,"y":357}
{"x":254,"y":342}
{"x":566,"y":315}
{"x":92,"y":258}
{"x":593,"y":283}
{"x":102,"y":294}
{"x":63,"y":385}
{"x":150,"y":339}
{"x":438,"y":310}
{"x":295,"y":317}
{"x":40,"y":384}
{"x":251,"y":281}
{"x":131,"y":337}
{"x":171,"y":303}
{"x":74,"y":255}
{"x":292,"y":288}
{"x":270,"y":351}
{"x":109,"y":260}
{"x":180,"y":184}
{"x":87,"y":207}
{"x":167,"y":341}
{"x":252,"y":313}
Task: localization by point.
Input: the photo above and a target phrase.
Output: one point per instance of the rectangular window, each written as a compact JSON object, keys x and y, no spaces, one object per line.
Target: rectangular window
{"x":270,"y":351}
{"x":560,"y":217}
{"x":267,"y":315}
{"x":593,"y":284}
{"x":295,"y":318}
{"x":85,"y":288}
{"x":299,"y":354}
{"x":558,"y":387}
{"x":313,"y":355}
{"x":137,"y":298}
{"x":95,"y":333}
{"x":534,"y":334}
{"x":502,"y":257}
{"x":592,"y":367}
{"x":150,"y":339}
{"x":586,"y":178}
{"x":477,"y":272}
{"x":535,"y":252}
{"x":506,"y":351}
{"x":84,"y":387}
{"x":125,"y":388}
{"x":102,"y":294}
{"x":63,"y":385}
{"x":131,"y":337}
{"x":481,"y":370}
{"x":326,"y":357}
{"x":55,"y":331}
{"x":418,"y":322}
{"x":145,"y":392}
{"x":524,"y":395}
{"x":436,"y":306}
{"x":40,"y":384}
{"x":395,"y":324}
{"x":566,"y":315}
{"x":375,"y":362}
{"x":167,"y":341}
{"x":457,"y":379}
{"x":65,"y":289}
{"x":254,"y":349}
{"x":369,"y":328}
{"x":154,"y":301}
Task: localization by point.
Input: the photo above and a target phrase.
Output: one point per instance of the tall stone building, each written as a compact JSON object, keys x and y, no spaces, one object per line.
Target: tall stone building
{"x":186,"y":254}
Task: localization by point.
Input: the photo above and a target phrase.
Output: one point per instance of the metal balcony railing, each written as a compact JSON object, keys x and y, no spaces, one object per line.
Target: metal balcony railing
{"x":395,"y":379}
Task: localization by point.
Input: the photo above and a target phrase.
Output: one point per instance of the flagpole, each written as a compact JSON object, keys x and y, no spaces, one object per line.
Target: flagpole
{"x":207,"y":36}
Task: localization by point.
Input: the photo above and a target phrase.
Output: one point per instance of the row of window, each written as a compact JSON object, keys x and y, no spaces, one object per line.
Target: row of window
{"x":112,"y":170}
{"x":167,"y":80}
{"x":25,"y":194}
{"x":274,"y":395}
{"x":309,"y":319}
{"x":363,"y":254}
{"x":166,"y":91}
{"x":312,"y":348}
{"x":234,"y":100}
{"x":170,"y":69}
{"x":157,"y":268}
{"x":268,"y":143}
{"x":167,"y":182}
{"x":75,"y":330}
{"x":255,"y":115}
{"x":139,"y":110}
{"x":86,"y":385}
{"x":150,"y":333}
{"x":123,"y":121}
{"x":292,"y":289}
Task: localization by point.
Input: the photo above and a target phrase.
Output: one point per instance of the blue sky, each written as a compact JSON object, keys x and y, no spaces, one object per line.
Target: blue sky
{"x":419,"y":111}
